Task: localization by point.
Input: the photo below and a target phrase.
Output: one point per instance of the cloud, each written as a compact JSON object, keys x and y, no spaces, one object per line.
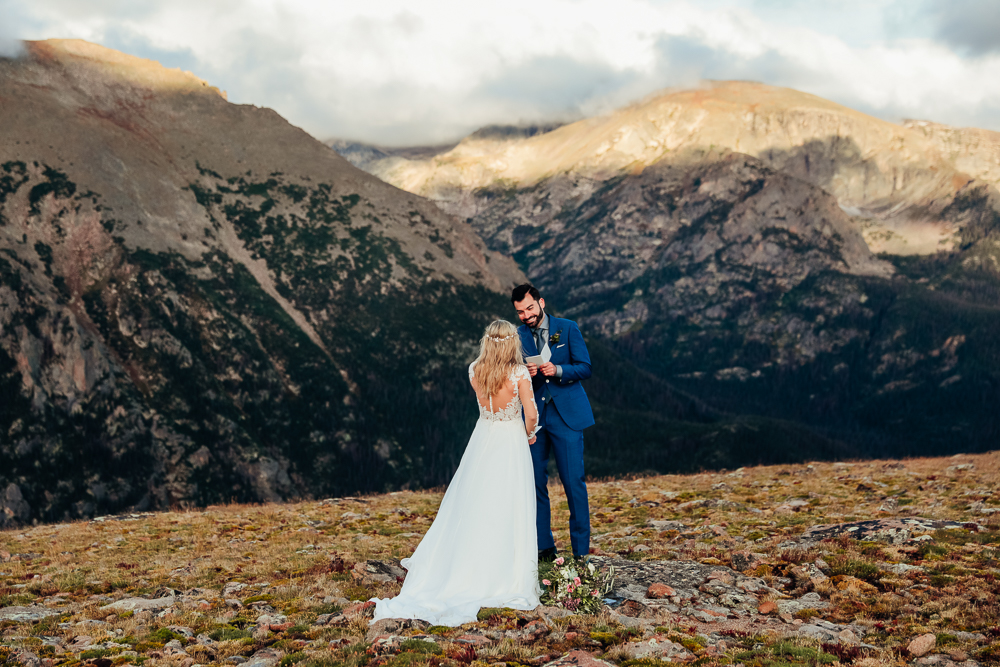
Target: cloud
{"x":10,"y":20}
{"x":394,"y":72}
{"x":969,"y":26}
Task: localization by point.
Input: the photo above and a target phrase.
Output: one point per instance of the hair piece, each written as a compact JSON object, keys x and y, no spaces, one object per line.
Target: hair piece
{"x":499,"y":353}
{"x":523,"y":290}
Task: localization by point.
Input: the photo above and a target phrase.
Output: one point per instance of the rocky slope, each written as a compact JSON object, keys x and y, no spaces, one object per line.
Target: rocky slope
{"x":897,"y":179}
{"x":200,"y":302}
{"x":769,"y":252}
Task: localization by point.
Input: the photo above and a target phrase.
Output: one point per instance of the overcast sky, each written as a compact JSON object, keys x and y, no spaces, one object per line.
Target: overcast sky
{"x":411,"y":72}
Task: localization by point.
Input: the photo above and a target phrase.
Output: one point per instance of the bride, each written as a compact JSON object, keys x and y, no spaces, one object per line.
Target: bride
{"x":482,"y":549}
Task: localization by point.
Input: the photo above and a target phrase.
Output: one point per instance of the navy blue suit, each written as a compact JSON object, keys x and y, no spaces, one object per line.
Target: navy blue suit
{"x":563,"y":412}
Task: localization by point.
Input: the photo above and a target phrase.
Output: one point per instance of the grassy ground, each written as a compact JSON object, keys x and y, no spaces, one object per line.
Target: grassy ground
{"x":296,"y":561}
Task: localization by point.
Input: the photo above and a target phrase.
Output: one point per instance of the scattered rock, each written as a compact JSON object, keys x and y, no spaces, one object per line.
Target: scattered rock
{"x":922,"y":645}
{"x":26,"y":658}
{"x":807,"y":575}
{"x":578,"y":659}
{"x":533,"y":631}
{"x":473,"y":640}
{"x":889,"y":531}
{"x":136,"y":604}
{"x":232,"y":588}
{"x":394,"y":626}
{"x":807,"y":601}
{"x":666,"y":525}
{"x":25,"y":614}
{"x":768,"y":607}
{"x":746,"y":560}
{"x":658,"y":591}
{"x":377,"y":571}
{"x":267,"y":657}
{"x":658,"y":647}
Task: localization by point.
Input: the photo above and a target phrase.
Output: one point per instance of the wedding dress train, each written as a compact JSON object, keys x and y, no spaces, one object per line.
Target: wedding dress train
{"x":482,"y":549}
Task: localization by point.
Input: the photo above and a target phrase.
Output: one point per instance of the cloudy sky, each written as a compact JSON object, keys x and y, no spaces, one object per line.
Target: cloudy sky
{"x":405,"y":72}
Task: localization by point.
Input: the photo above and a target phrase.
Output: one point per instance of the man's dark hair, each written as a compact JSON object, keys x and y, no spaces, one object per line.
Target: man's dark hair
{"x":521,"y":290}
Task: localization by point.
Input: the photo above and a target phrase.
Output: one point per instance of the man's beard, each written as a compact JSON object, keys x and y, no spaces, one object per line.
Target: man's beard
{"x":538,"y":319}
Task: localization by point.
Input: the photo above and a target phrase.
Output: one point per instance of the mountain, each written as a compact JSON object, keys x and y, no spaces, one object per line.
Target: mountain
{"x":200,"y":303}
{"x":768,"y":252}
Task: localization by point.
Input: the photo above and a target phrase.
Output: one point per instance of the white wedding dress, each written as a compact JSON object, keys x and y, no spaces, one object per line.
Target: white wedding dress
{"x":482,"y":549}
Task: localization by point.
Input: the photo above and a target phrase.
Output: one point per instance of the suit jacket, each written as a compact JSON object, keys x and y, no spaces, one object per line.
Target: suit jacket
{"x":570,"y":352}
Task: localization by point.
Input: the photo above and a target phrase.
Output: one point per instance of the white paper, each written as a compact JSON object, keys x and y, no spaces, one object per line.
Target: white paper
{"x":534,"y":359}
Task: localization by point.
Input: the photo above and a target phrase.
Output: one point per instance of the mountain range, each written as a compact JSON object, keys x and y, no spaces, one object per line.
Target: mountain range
{"x":200,"y":303}
{"x":763,"y":250}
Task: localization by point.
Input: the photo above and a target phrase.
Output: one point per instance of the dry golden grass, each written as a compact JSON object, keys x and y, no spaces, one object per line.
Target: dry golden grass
{"x":296,"y":557}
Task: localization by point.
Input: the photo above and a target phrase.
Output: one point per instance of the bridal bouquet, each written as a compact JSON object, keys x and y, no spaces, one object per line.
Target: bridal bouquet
{"x":574,"y":585}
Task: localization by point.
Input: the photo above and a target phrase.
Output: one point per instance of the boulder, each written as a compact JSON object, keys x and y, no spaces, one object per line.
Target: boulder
{"x":578,"y":659}
{"x":267,"y":657}
{"x":659,"y":591}
{"x":768,"y":607}
{"x":922,"y":645}
{"x":660,"y":648}
{"x":25,"y":614}
{"x":377,"y":572}
{"x":137,"y":604}
{"x":394,"y":626}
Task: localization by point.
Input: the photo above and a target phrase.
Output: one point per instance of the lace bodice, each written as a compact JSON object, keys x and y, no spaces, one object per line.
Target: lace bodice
{"x":511,"y":411}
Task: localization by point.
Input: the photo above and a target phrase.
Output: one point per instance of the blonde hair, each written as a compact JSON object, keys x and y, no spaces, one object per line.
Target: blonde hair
{"x":499,"y":353}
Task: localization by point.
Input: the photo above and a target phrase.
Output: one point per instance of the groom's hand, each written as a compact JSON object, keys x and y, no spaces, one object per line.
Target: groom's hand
{"x":548,"y":369}
{"x":532,"y":369}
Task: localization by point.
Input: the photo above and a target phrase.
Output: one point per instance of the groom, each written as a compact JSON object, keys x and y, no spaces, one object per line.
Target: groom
{"x":563,"y":413}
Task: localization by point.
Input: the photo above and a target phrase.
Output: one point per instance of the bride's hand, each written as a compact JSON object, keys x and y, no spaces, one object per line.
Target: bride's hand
{"x":531,"y":439}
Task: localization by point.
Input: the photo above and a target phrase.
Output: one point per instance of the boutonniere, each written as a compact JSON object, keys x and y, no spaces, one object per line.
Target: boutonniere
{"x":554,"y":339}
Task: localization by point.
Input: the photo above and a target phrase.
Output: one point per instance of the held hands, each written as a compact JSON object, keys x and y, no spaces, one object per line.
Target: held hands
{"x":532,"y":369}
{"x":548,"y":369}
{"x":532,"y":438}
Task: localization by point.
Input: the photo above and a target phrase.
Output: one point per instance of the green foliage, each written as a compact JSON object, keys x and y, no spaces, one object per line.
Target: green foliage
{"x":15,"y":174}
{"x":164,"y":635}
{"x":941,"y":580}
{"x":486,"y":613}
{"x":228,"y":632}
{"x":784,"y":654}
{"x":420,"y":646}
{"x":291,"y":659}
{"x":45,"y":254}
{"x":355,"y":655}
{"x":258,"y":598}
{"x":855,"y":568}
{"x":926,"y":550}
{"x":609,"y":636}
{"x":55,"y":183}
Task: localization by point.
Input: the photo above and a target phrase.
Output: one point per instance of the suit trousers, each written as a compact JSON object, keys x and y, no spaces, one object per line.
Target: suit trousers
{"x":558,"y":439}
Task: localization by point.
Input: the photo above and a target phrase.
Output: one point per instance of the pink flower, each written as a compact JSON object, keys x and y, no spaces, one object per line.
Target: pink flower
{"x":560,"y":560}
{"x":546,"y":582}
{"x":576,"y":580}
{"x":570,"y":588}
{"x":593,"y":594}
